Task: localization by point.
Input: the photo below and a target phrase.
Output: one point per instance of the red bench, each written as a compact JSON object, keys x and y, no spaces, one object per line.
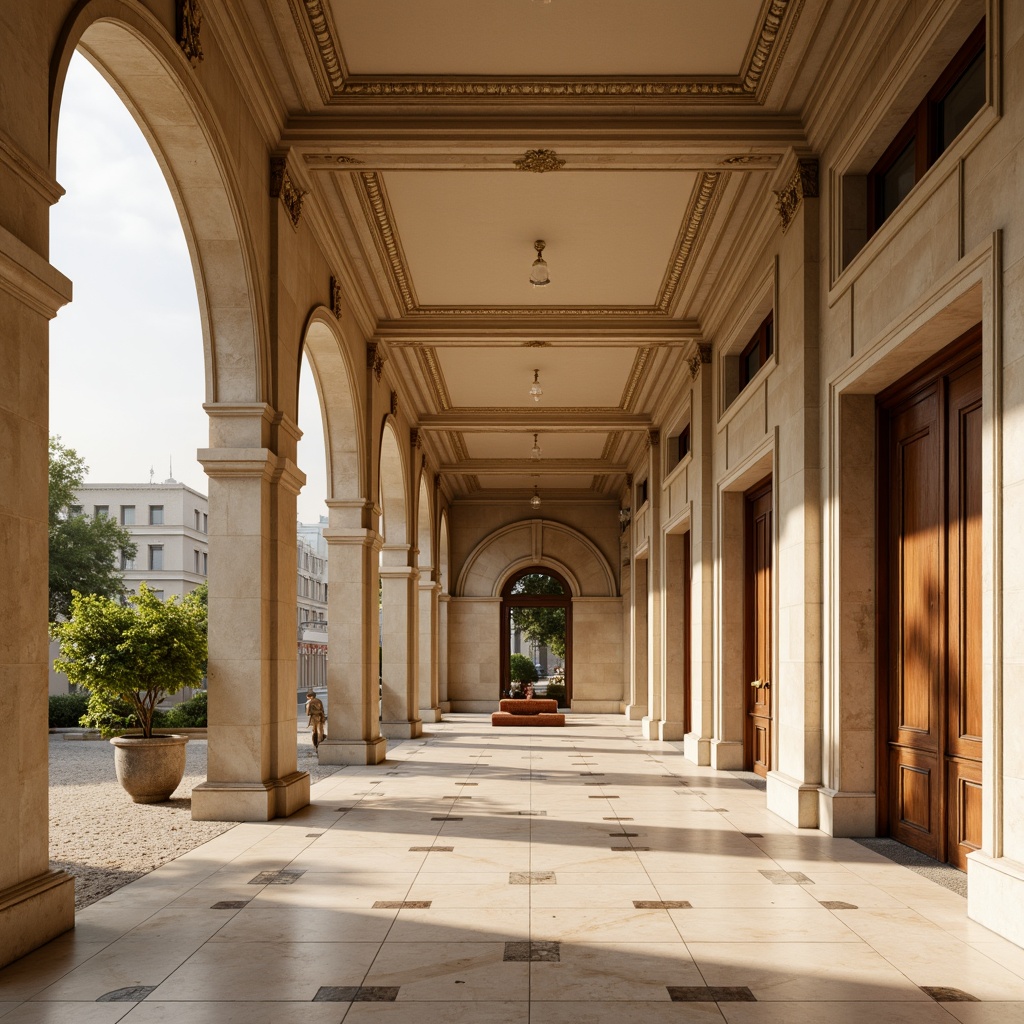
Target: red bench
{"x":536,"y":711}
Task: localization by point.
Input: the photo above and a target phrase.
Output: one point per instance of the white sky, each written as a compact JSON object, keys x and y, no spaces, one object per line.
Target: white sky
{"x":126,"y":356}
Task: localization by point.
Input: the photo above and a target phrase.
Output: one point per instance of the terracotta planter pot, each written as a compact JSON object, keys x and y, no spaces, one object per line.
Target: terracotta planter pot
{"x":149,"y":770}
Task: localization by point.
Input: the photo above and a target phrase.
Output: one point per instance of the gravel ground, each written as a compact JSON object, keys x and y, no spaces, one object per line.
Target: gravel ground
{"x":103,"y":839}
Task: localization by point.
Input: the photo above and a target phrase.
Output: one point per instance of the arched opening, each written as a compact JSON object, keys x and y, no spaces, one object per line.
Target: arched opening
{"x":428,"y":607}
{"x":536,"y":607}
{"x":444,"y":596}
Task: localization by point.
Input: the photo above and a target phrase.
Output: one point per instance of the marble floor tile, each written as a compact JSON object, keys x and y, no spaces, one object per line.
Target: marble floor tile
{"x":775,"y":924}
{"x":987,"y":1013}
{"x":603,"y":925}
{"x":409,"y":1012}
{"x":319,"y":924}
{"x":621,"y":1012}
{"x":68,"y":1013}
{"x":223,"y":1012}
{"x":456,"y":925}
{"x":834,"y":1013}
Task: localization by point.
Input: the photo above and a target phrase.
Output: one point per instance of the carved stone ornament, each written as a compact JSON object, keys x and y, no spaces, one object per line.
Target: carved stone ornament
{"x":539,"y":161}
{"x":414,"y":438}
{"x":629,"y":480}
{"x":394,"y":403}
{"x":374,"y":360}
{"x":282,"y":187}
{"x":803,"y":185}
{"x":190,"y":18}
{"x":701,"y":356}
{"x":335,"y":297}
{"x":329,"y":159}
{"x":653,"y":438}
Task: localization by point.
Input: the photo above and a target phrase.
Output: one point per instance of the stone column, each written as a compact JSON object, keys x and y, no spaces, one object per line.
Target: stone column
{"x":353,"y":638}
{"x":636,"y":709}
{"x":443,"y":703}
{"x":400,"y":602}
{"x":428,"y":670}
{"x":36,"y":903}
{"x":673,"y":642}
{"x":697,"y":742}
{"x":251,"y":767}
{"x":655,"y":664}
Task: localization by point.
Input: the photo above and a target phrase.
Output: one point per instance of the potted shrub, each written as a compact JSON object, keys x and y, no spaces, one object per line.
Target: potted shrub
{"x":130,"y":656}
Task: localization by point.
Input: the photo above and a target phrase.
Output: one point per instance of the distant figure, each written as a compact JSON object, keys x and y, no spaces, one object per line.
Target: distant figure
{"x":315,"y":710}
{"x":529,"y":691}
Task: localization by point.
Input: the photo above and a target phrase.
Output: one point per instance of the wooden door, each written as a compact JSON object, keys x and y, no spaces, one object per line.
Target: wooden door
{"x":758,"y":627}
{"x":930,"y":574}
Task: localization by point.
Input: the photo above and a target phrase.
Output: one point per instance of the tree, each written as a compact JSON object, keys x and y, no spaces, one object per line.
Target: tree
{"x":521,"y":669}
{"x":541,"y":625}
{"x":83,"y":549}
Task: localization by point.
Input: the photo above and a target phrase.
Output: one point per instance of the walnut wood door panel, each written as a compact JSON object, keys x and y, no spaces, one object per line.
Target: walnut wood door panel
{"x":758,"y":631}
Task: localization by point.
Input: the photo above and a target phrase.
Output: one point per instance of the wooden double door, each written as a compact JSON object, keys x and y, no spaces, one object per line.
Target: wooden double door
{"x":757,"y":642}
{"x":930,"y":430}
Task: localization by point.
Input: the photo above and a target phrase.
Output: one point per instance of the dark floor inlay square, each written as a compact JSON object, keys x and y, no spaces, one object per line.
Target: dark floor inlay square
{"x":753,"y":835}
{"x":283,"y":877}
{"x":131,"y":994}
{"x":532,"y":878}
{"x":837,"y":905}
{"x":942,"y":994}
{"x":343,"y":809}
{"x":630,"y":849}
{"x":595,"y":783}
{"x":710,"y":994}
{"x":533,"y":814}
{"x":778,"y":877}
{"x":402,"y":905}
{"x":616,"y":819}
{"x":662,"y":904}
{"x":431,"y":849}
{"x":533,"y":952}
{"x":624,"y":835}
{"x":596,"y":775}
{"x":230,"y":905}
{"x":313,"y":835}
{"x":446,"y":817}
{"x":335,"y":993}
{"x":456,"y":798}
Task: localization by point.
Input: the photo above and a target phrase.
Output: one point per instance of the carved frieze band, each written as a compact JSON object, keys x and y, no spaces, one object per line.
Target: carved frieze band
{"x":190,"y":20}
{"x":539,"y":161}
{"x":374,"y":360}
{"x":282,"y":187}
{"x":378,"y":210}
{"x":698,"y":359}
{"x":394,"y":403}
{"x":744,"y":86}
{"x":803,"y":185}
{"x":415,"y":441}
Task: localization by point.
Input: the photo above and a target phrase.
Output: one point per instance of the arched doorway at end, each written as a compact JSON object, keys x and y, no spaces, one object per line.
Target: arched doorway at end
{"x":539,"y":589}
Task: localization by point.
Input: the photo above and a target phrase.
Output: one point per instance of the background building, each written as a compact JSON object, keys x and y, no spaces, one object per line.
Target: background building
{"x":311,"y":608}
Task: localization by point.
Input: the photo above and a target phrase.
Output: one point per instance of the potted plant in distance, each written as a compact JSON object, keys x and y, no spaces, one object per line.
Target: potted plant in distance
{"x":133,"y":655}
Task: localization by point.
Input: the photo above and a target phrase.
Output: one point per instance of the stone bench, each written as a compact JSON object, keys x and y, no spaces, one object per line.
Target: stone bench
{"x":541,"y":711}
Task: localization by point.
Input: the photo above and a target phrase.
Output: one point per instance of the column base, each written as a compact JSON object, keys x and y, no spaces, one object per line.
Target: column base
{"x":352,"y":751}
{"x":671,"y":731}
{"x":635,"y":712}
{"x":250,"y":801}
{"x":402,"y":730}
{"x":649,"y":727}
{"x":795,"y":802}
{"x":696,"y":749}
{"x":445,"y":707}
{"x":846,"y":815}
{"x":430,"y":714}
{"x":35,"y":911}
{"x":995,"y":894}
{"x":727,"y":755}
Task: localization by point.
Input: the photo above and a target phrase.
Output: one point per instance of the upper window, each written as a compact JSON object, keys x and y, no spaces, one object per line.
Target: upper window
{"x":102,"y":510}
{"x":156,"y":515}
{"x":127,"y":515}
{"x":957,"y":95}
{"x":156,"y":556}
{"x":757,"y":351}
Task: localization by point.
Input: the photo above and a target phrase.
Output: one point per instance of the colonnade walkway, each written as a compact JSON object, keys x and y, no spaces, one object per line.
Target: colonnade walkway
{"x":504,"y":876}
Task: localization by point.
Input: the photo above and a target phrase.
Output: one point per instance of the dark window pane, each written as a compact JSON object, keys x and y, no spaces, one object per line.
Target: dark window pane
{"x":752,"y":363}
{"x":769,"y":338}
{"x":896,"y":182}
{"x":964,"y":99}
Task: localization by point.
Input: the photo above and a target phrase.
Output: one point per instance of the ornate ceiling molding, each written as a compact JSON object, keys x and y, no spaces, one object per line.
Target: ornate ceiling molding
{"x":539,"y":161}
{"x":703,"y":202}
{"x":432,"y":371}
{"x":328,"y":65}
{"x":707,"y":193}
{"x":636,"y":376}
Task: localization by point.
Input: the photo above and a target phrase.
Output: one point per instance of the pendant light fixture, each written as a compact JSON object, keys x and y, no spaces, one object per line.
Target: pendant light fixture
{"x":536,"y":390}
{"x":535,"y":500}
{"x":539,"y":271}
{"x":535,"y":450}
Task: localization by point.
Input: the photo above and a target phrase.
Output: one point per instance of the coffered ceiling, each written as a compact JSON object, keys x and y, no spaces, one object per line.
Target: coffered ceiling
{"x":438,"y":139}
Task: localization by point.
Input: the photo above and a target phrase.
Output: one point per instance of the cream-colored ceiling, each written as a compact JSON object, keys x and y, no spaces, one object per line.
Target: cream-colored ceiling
{"x":531,"y":38}
{"x":469,"y":237}
{"x":422,"y":128}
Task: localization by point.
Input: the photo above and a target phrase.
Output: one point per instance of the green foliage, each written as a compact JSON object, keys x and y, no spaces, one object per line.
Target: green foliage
{"x":114,"y":715}
{"x":190,"y":714}
{"x":66,"y":709}
{"x":83,"y":549}
{"x":522,"y":669}
{"x":133,"y":654}
{"x":556,"y":691}
{"x":543,"y":626}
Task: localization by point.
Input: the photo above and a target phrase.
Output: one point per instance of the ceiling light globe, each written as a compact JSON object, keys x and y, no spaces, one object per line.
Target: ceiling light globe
{"x":539,"y":273}
{"x":535,"y":501}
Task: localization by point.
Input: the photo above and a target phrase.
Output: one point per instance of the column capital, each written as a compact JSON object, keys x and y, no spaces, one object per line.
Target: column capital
{"x":355,"y":536}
